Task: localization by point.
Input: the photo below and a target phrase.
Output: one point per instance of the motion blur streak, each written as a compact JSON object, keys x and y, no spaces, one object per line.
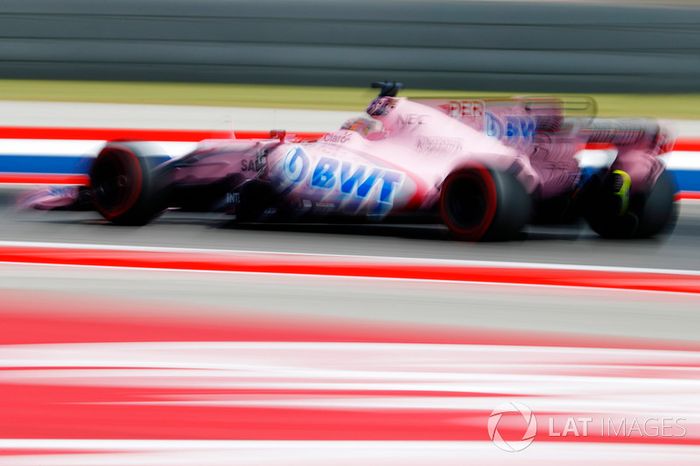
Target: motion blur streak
{"x":352,"y":266}
{"x":345,"y":453}
{"x":96,"y":379}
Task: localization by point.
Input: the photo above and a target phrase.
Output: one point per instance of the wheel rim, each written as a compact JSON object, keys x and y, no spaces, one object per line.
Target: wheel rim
{"x":116,"y":182}
{"x":469,"y":203}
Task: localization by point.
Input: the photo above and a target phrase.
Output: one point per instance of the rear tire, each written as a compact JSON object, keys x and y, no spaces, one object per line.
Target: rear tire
{"x":123,"y":188}
{"x":478,"y":204}
{"x":648,"y":214}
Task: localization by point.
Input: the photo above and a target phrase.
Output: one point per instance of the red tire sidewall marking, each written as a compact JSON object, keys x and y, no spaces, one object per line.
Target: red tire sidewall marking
{"x":133,"y":163}
{"x":482,"y":176}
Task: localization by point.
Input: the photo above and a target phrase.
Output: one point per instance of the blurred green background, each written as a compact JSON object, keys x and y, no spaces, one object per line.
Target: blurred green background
{"x":682,"y":106}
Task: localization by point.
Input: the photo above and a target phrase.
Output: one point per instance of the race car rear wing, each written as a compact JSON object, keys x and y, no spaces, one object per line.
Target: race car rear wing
{"x":621,"y":132}
{"x":579,"y":107}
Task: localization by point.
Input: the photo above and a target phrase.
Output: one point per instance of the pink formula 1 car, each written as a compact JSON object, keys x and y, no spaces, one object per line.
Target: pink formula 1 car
{"x":483,"y":167}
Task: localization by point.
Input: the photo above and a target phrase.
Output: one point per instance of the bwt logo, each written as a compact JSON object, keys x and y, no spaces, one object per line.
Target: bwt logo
{"x":520,"y":127}
{"x":526,"y":422}
{"x":342,"y":176}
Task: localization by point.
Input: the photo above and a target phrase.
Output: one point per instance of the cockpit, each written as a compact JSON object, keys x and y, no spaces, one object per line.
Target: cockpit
{"x":366,"y":126}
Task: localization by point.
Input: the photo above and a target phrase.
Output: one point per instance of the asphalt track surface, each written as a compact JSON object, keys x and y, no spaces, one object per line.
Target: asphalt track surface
{"x":559,"y":245}
{"x":496,"y":307}
{"x":395,"y":346}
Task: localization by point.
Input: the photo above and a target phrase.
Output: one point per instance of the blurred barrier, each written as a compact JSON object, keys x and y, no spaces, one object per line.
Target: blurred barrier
{"x":64,"y":155}
{"x":523,"y":46}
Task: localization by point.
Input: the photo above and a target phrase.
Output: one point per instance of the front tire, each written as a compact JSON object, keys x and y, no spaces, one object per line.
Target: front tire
{"x":255,"y":197}
{"x":123,"y":188}
{"x":478,"y":204}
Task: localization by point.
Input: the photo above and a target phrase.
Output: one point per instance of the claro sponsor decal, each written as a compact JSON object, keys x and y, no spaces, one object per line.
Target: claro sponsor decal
{"x":336,"y":138}
{"x":343,"y":177}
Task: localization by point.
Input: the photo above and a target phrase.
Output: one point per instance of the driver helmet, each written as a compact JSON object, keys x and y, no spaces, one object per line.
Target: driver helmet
{"x":364,"y":125}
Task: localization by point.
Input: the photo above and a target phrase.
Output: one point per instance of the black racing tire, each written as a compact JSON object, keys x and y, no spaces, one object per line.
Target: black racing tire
{"x":124,"y":190}
{"x":479,"y":204}
{"x":255,"y":197}
{"x":558,"y":210}
{"x":649,"y":213}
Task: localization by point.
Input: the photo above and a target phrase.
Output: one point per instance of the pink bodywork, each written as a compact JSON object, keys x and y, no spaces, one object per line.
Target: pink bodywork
{"x":418,"y":146}
{"x":395,"y":158}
